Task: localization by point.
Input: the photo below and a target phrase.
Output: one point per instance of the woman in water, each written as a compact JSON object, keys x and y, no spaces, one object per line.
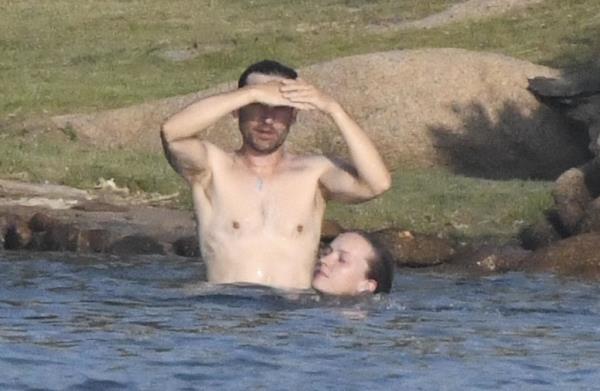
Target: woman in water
{"x":353,"y":264}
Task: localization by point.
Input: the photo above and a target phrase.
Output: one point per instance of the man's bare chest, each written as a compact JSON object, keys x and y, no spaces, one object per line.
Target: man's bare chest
{"x":286,"y":192}
{"x":242,"y":201}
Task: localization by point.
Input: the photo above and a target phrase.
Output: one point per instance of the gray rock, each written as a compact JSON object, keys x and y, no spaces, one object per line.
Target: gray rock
{"x":577,"y":95}
{"x":136,"y":244}
{"x":488,"y":259}
{"x":61,"y":237}
{"x":187,"y":247}
{"x":413,"y":249}
{"x":40,"y":222}
{"x":576,"y":256}
{"x":591,"y":172}
{"x":98,"y":240}
{"x":3,"y":230}
{"x":539,"y":234}
{"x":17,"y":233}
{"x":99,"y":206}
{"x":468,"y":111}
{"x":588,"y":113}
{"x":93,"y":228}
{"x":591,"y":220}
{"x":571,"y":198}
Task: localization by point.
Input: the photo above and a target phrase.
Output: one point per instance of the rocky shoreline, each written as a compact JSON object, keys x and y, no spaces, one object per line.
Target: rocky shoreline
{"x":72,"y":220}
{"x":75,"y":222}
{"x":108,"y":220}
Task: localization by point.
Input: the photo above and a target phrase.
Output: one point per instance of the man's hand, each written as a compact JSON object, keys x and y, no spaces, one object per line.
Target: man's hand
{"x":301,"y":93}
{"x":271,"y":94}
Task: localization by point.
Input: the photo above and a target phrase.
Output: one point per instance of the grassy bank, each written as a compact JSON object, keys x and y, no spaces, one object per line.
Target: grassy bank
{"x":68,"y":56}
{"x":65,"y":56}
{"x":438,"y":202}
{"x":430,"y":201}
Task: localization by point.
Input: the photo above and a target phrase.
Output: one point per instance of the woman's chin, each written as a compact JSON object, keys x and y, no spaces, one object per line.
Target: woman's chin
{"x":319,"y":285}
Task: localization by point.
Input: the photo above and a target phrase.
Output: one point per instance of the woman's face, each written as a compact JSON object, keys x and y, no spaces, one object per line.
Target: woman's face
{"x":342,"y":267}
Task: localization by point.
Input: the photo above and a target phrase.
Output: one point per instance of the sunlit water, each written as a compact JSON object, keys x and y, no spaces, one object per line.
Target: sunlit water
{"x":109,"y":324}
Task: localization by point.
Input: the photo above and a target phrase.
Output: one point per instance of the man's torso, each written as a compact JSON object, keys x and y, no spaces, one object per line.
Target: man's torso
{"x":259,"y":230}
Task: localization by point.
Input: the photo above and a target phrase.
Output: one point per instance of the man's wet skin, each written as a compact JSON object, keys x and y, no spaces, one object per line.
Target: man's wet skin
{"x":259,"y":209}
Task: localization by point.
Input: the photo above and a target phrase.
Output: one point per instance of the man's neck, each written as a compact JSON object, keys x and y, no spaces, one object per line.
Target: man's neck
{"x":261,"y":163}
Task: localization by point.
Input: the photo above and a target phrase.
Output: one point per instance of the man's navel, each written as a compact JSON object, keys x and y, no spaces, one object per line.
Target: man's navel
{"x":235,"y":225}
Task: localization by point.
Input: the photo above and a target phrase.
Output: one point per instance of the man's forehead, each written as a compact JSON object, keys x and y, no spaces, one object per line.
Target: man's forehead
{"x":261,"y":78}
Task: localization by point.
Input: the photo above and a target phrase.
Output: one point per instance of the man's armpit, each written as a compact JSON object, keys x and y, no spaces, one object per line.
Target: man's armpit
{"x":343,"y":165}
{"x":187,"y":157}
{"x":338,"y":177}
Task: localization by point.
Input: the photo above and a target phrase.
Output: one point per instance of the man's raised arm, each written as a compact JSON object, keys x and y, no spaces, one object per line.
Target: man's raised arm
{"x":184,"y":151}
{"x":369,"y":176}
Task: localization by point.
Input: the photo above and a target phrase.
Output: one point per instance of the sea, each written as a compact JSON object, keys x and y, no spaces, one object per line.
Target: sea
{"x":151,"y":323}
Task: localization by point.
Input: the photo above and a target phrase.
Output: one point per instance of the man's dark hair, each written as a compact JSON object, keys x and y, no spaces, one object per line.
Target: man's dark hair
{"x":267,"y":67}
{"x":381,"y":267}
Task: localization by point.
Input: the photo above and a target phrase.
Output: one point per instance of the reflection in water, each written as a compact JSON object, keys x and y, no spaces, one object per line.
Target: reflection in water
{"x":147,"y":323}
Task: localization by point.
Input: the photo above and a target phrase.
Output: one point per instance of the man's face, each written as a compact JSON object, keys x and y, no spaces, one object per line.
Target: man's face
{"x":265,"y":128}
{"x":342,"y":268}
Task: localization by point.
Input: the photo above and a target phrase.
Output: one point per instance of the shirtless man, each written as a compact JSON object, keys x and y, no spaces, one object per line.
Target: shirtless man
{"x":259,"y":209}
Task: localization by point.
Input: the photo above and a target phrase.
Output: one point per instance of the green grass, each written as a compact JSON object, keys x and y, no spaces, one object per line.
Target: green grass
{"x":62,"y":160}
{"x":66,"y":56}
{"x":70,"y":55}
{"x":430,"y":201}
{"x":438,"y":202}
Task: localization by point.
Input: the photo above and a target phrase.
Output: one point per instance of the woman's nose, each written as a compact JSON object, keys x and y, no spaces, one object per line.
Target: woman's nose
{"x":328,"y":259}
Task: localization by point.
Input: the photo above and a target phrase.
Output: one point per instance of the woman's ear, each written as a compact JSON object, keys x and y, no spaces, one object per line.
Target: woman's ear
{"x":235,"y":113}
{"x":367,"y":286}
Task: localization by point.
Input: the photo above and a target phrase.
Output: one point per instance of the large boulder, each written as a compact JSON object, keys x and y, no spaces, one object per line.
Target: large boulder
{"x":576,"y":94}
{"x":571,"y":198}
{"x":468,"y":111}
{"x":578,"y":255}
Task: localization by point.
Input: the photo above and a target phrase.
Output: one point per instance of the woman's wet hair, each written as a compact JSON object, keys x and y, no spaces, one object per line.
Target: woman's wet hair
{"x":267,"y":67}
{"x":381,"y":266}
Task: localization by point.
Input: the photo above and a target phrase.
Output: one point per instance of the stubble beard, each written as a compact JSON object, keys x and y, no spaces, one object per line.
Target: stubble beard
{"x":263,"y":147}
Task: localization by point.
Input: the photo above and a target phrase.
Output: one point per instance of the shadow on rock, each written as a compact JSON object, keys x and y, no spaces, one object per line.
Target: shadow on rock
{"x":491,"y":145}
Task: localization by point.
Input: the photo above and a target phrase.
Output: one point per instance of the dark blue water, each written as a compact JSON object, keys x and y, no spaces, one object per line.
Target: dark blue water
{"x":141,"y":324}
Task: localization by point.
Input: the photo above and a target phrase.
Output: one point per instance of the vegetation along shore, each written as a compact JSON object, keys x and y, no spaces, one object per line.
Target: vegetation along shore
{"x":59,"y":58}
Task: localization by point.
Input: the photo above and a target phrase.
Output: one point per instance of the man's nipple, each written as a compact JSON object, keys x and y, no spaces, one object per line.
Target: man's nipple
{"x":235,"y":225}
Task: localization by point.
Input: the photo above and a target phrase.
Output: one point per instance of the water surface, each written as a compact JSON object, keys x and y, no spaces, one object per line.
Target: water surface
{"x":145,"y":323}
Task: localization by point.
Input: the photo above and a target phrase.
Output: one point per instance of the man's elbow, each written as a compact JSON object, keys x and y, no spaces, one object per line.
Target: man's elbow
{"x":166,"y":133}
{"x":383,"y":185}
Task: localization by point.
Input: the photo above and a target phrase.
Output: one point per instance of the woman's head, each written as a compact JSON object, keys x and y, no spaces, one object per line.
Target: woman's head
{"x":353,"y":264}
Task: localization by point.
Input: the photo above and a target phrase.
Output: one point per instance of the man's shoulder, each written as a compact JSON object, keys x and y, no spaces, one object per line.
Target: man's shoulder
{"x":308,"y":160}
{"x":216,"y":154}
